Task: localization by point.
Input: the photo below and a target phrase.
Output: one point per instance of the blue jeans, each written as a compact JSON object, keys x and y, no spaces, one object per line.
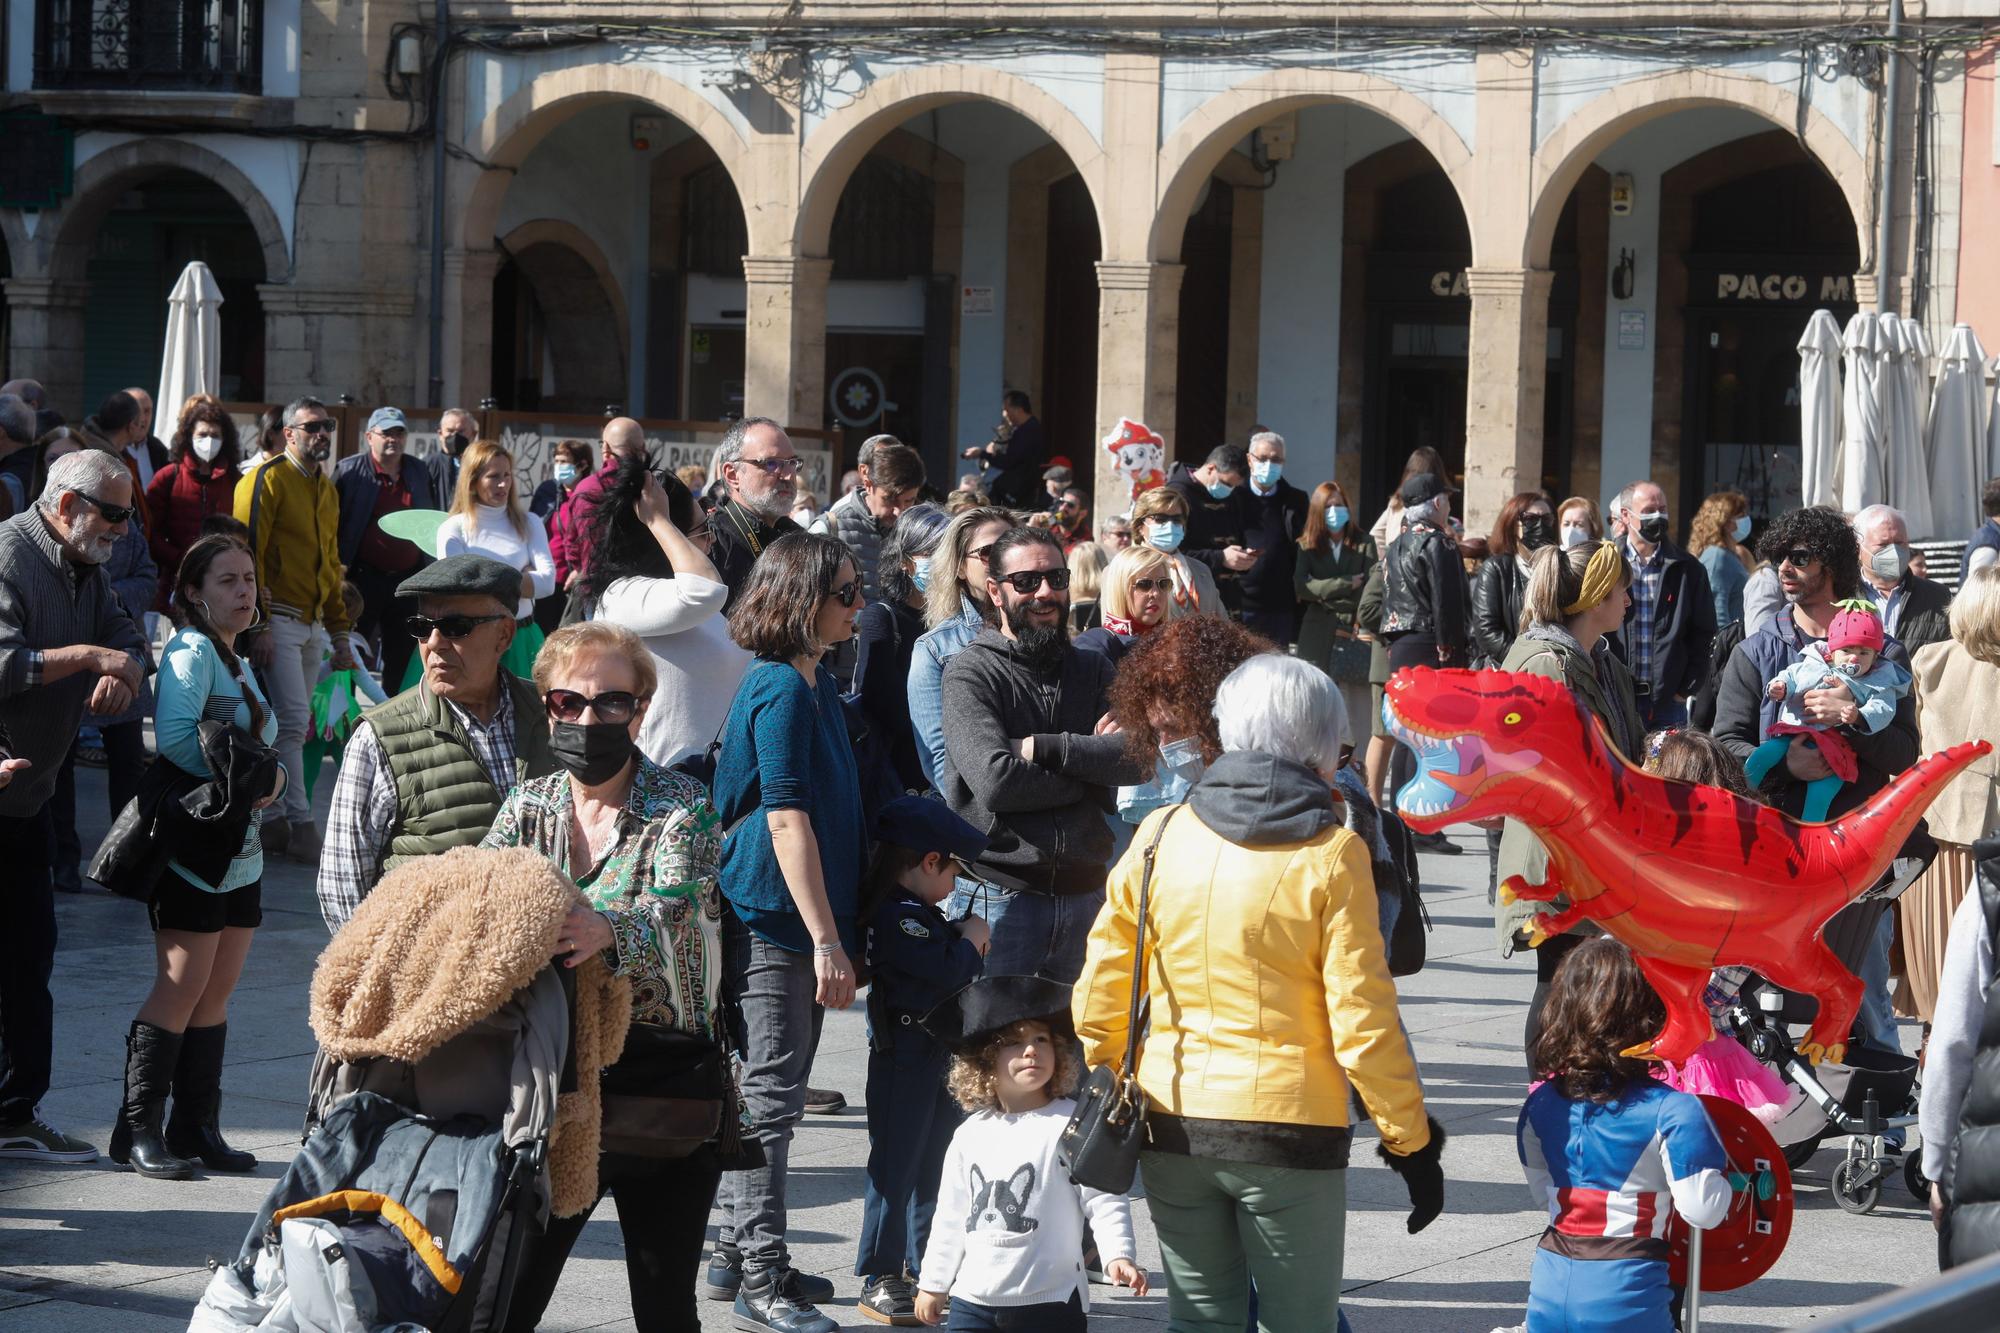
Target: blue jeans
{"x":1662,"y":712}
{"x":781,"y":1021}
{"x":1034,"y":934}
{"x":911,"y":1118}
{"x":1051,"y":1317}
{"x":1878,"y":1014}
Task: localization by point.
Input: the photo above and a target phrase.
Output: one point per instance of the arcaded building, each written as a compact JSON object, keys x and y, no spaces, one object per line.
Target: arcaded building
{"x":1564,"y":243}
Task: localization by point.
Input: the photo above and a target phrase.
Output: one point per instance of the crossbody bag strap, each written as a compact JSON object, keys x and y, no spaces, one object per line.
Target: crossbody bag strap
{"x":1130,"y":1068}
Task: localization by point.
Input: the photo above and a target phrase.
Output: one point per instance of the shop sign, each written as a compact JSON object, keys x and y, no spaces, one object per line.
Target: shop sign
{"x":1785,"y":288}
{"x":1448,"y":282}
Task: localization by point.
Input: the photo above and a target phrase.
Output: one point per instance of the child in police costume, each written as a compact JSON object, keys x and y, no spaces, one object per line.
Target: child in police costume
{"x":918,"y":960}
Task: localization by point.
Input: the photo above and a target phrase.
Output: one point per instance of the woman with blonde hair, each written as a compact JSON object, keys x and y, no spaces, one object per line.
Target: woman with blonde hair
{"x":955,"y":607}
{"x":1716,"y":538}
{"x":1137,"y":597}
{"x":1159,"y":520}
{"x":487,"y":518}
{"x":1578,"y":520}
{"x":1087,"y":562}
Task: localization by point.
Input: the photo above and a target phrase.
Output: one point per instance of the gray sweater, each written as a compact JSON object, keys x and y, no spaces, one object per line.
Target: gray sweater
{"x":1961,"y":1007}
{"x":48,"y":601}
{"x":1045,"y":821}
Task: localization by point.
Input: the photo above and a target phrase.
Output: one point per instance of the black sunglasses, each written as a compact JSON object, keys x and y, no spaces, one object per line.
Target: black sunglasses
{"x":1026,"y":581}
{"x":112,"y":513}
{"x":452,"y":627}
{"x":983,"y":554}
{"x":1799,"y":559}
{"x":610,"y":706}
{"x":847,"y":594}
{"x":320,"y":427}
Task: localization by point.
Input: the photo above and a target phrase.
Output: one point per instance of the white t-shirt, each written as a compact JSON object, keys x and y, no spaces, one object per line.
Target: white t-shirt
{"x":493,"y":535}
{"x":700,"y":666}
{"x":1009,"y":1222}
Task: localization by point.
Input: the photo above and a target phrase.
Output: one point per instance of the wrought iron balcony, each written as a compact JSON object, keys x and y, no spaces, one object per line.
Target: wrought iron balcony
{"x":150,"y":45}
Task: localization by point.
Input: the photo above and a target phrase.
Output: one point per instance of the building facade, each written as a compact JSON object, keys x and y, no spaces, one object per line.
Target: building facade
{"x":1570,"y":251}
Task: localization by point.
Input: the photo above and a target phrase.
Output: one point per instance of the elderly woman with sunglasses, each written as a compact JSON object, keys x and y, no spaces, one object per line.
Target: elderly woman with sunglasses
{"x":1135,"y":597}
{"x":786,"y":787}
{"x":642,"y":843}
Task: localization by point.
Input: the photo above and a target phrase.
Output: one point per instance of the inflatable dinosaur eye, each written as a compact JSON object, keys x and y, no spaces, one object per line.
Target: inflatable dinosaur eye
{"x":1512,"y":719}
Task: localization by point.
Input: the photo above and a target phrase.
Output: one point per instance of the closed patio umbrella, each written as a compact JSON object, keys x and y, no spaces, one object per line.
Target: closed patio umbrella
{"x":1819,"y":407}
{"x":1861,"y":476}
{"x":1905,"y":368}
{"x":1958,"y":428}
{"x":192,"y":361}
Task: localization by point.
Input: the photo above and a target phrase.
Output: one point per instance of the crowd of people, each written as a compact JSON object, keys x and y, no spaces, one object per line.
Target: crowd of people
{"x":991,"y":764}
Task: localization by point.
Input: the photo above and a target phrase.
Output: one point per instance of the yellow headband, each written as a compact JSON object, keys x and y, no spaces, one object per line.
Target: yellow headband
{"x":1599,"y":578}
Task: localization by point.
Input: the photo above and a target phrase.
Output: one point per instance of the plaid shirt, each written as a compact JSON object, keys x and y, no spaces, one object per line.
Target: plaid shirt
{"x":363,"y":816}
{"x":1639,"y":630}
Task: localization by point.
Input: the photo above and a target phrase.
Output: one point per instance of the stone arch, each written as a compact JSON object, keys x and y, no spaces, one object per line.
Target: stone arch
{"x":589,"y":323}
{"x":1202,"y":142}
{"x":514,"y":128}
{"x":844,"y":138}
{"x":65,"y":235}
{"x":1573,"y":145}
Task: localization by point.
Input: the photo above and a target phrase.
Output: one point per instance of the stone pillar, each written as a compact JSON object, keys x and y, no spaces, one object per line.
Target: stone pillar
{"x":1138,"y":345}
{"x":326,"y":341}
{"x":1505,"y":386}
{"x":784,"y":338}
{"x":1865,"y":293}
{"x":468,"y":327}
{"x":45,"y":339}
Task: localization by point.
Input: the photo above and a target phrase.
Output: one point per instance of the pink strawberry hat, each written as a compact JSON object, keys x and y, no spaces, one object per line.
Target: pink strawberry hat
{"x":1855,"y":629}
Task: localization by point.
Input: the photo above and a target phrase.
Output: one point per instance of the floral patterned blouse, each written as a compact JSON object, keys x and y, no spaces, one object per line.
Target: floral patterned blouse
{"x":656,"y":884}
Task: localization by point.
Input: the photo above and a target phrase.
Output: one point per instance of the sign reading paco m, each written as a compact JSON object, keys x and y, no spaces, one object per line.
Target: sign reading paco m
{"x":1834,"y":288}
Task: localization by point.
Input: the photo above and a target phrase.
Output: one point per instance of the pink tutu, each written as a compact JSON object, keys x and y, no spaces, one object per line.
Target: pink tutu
{"x":1721,"y":1067}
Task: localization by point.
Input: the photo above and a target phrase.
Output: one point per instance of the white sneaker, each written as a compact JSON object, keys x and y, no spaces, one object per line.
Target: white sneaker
{"x":36,"y":1140}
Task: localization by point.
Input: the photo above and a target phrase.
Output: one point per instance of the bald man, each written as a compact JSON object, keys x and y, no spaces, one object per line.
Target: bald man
{"x":569,"y":533}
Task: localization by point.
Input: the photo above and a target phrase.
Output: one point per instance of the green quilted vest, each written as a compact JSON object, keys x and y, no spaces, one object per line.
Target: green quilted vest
{"x":443,"y":796}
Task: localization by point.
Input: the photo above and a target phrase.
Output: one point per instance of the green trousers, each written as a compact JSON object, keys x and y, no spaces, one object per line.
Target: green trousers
{"x":1225,"y":1225}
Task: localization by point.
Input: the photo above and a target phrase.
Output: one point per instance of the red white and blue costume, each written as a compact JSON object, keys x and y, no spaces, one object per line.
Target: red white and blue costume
{"x":1611,"y":1175}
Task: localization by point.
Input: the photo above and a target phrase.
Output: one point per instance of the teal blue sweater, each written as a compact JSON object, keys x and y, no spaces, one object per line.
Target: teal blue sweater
{"x":194,"y":685}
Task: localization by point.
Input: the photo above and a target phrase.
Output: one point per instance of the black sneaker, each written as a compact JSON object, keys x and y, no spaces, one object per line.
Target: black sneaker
{"x":724,"y":1278}
{"x":770,"y":1301}
{"x":1436,"y":842}
{"x":824,"y":1101}
{"x":889,"y":1300}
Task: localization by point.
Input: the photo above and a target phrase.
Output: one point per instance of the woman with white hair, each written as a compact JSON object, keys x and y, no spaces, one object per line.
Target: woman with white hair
{"x":1247,"y":1086}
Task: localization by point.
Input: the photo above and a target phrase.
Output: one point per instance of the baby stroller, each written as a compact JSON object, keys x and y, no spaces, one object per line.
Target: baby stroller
{"x":426,"y":1166}
{"x":1863,"y":1097}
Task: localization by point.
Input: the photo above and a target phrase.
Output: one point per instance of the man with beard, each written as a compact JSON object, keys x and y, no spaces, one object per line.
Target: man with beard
{"x":65,"y":645}
{"x":1819,"y":566}
{"x":293,"y":514}
{"x":761,"y":469}
{"x":1031,"y":759}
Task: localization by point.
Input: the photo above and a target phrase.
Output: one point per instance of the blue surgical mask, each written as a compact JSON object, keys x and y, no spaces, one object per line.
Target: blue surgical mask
{"x":1183,"y":757}
{"x":920,"y":572}
{"x":1742,"y":527}
{"x":1266,"y":471}
{"x":1163,"y":535}
{"x":565,"y":474}
{"x":1220,"y":490}
{"x":1337,"y":517}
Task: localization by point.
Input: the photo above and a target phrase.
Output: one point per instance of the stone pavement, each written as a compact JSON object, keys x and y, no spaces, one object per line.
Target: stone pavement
{"x":97,"y":1248}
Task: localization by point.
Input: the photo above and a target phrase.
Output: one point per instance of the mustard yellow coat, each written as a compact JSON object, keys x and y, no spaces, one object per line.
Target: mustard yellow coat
{"x":1269,"y":982}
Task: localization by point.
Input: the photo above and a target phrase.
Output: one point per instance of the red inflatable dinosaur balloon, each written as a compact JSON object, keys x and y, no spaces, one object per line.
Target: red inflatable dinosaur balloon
{"x":1690,"y":878}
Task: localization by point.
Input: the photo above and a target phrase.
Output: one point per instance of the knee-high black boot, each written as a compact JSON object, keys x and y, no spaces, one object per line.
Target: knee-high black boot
{"x":193,"y":1130}
{"x":150,"y":1056}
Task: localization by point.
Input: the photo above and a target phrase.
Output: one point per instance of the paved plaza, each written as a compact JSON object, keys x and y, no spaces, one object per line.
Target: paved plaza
{"x":99,"y":1248}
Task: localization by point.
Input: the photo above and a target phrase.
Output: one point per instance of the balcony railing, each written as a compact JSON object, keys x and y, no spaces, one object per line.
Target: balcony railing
{"x":150,"y":45}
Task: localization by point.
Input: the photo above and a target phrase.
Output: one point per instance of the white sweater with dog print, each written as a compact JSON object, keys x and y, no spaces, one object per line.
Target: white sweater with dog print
{"x":1009,"y":1223}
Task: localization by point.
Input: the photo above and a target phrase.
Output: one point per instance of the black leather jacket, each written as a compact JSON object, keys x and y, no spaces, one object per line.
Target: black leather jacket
{"x":1424,"y":587}
{"x":1971,"y":1184}
{"x":1498,"y":590}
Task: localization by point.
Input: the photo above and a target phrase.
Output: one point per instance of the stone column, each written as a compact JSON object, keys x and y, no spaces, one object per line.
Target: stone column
{"x":468,"y":326}
{"x":45,"y":339}
{"x":1505,"y":386}
{"x":784,"y":338}
{"x":1138,"y":345}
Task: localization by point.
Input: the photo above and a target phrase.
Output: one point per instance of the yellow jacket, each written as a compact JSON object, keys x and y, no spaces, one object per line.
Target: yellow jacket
{"x":1269,"y":982}
{"x":294,"y":521}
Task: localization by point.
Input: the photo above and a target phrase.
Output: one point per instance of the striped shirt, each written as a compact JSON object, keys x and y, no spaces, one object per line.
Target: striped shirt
{"x":48,"y":601}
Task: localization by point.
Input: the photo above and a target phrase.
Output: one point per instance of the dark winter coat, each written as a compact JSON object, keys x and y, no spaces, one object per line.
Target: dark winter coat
{"x":1971,"y":1184}
{"x":1683,"y":627}
{"x":1424,"y":587}
{"x":1498,"y":590}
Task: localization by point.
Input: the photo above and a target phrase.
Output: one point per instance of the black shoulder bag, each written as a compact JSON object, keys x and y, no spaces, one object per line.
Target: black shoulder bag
{"x":1101,"y":1143}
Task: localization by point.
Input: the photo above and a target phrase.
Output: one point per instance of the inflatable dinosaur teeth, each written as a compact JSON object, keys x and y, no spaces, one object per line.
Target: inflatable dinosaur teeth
{"x":1690,"y":878}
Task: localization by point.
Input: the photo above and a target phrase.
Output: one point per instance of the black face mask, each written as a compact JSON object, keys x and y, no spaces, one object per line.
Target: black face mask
{"x":593,"y":752}
{"x":1653,"y":528}
{"x":454,"y":444}
{"x":1537,"y":531}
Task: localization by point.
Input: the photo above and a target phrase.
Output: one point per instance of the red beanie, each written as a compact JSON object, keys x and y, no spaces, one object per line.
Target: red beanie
{"x":1855,"y":629}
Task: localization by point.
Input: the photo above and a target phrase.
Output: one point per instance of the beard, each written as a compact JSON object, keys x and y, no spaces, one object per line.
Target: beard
{"x":1040,"y":646}
{"x":94,"y":550}
{"x":771,"y":506}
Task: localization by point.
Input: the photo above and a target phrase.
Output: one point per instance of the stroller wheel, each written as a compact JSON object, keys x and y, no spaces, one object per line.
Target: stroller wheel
{"x":1798,"y":1154}
{"x":1913,"y":1176}
{"x":1857,"y":1186}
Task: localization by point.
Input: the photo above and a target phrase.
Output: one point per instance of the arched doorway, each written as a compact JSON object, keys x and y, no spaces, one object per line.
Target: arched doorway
{"x":559,"y":329}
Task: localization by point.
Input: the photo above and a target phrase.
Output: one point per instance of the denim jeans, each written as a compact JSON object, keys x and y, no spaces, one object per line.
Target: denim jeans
{"x":1034,"y":934}
{"x":1049,"y":1317}
{"x":289,"y":682}
{"x":781,"y":1021}
{"x":1662,"y":712}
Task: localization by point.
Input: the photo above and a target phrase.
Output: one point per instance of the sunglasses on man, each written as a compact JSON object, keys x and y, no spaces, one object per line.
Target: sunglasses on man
{"x":112,"y":513}
{"x":452,"y":627}
{"x":320,"y":427}
{"x":1025,"y":581}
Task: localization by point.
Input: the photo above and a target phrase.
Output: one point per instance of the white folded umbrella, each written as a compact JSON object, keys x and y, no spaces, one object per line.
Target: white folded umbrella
{"x":1861,"y":476}
{"x":1901,"y":388}
{"x":1958,"y":427}
{"x":1819,"y":407}
{"x":192,"y":361}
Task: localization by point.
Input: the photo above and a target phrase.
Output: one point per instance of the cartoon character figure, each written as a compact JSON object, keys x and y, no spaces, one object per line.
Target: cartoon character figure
{"x":1002,"y":1205}
{"x":1139,"y":455}
{"x":1690,"y":878}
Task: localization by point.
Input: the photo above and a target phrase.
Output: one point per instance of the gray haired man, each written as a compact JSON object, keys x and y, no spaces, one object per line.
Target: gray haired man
{"x":66,"y":645}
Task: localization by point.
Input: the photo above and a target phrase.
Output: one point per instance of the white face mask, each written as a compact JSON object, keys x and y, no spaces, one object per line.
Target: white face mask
{"x":1574,"y":535}
{"x":206,"y":447}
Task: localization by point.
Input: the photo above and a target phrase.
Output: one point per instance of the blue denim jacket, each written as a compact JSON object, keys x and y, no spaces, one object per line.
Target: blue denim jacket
{"x":926,"y":687}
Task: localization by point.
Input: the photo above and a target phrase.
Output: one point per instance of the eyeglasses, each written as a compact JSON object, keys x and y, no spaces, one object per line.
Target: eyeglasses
{"x":1026,"y":581}
{"x":847,"y":594}
{"x":112,"y":513}
{"x":704,"y":533}
{"x":1148,"y":585}
{"x":1798,"y":559}
{"x":775,"y":467}
{"x":319,"y":427}
{"x":452,"y":627}
{"x":610,"y":706}
{"x":983,"y":554}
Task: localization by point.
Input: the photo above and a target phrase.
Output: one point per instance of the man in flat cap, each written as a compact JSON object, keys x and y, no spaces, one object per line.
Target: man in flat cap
{"x":426,"y":771}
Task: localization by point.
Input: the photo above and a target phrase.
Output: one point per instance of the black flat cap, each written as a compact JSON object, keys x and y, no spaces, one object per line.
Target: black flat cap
{"x":992,"y":1003}
{"x":465,"y":576}
{"x":1422,"y":489}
